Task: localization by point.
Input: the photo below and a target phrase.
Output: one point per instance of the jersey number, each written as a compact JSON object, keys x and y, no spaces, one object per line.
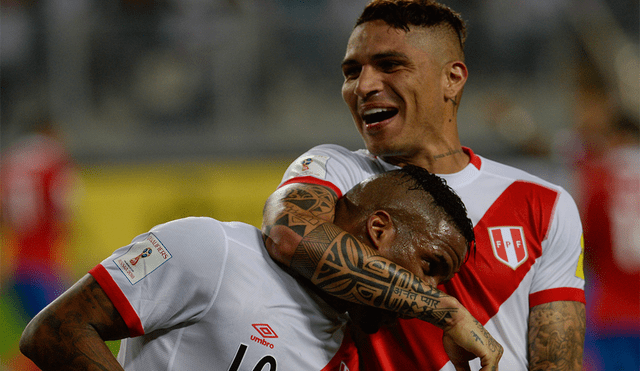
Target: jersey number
{"x":266,"y":360}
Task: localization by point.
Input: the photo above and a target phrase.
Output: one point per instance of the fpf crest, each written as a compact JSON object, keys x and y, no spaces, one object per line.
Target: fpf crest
{"x":509,"y":245}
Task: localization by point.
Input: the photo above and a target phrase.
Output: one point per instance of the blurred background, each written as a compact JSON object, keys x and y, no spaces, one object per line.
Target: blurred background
{"x":119,"y":115}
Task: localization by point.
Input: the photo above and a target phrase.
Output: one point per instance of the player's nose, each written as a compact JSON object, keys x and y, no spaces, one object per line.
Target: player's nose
{"x":369,"y":82}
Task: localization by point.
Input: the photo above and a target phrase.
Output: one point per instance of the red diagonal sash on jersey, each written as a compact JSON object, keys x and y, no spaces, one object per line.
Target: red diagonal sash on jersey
{"x":346,"y":358}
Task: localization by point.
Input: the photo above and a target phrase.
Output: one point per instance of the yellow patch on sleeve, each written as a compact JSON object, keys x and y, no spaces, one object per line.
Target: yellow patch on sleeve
{"x":580,"y":267}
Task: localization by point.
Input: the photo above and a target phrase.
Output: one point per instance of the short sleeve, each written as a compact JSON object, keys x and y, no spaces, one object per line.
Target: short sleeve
{"x":168,"y":276}
{"x":560,"y":273}
{"x":333,"y":166}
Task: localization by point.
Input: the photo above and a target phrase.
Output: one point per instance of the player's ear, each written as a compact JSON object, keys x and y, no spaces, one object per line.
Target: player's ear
{"x":381,"y":230}
{"x":455,"y":75}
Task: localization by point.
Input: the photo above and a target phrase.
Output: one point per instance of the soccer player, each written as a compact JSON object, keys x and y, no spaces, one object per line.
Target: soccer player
{"x":39,"y":183}
{"x":199,"y":294}
{"x":404,"y":75}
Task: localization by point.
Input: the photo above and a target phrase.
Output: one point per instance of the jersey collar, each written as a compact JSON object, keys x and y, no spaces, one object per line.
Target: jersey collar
{"x":466,"y":175}
{"x":474,"y":160}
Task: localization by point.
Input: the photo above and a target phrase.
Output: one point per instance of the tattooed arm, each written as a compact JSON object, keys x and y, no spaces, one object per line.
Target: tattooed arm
{"x":556,"y":336}
{"x":299,"y":233}
{"x":338,"y":263}
{"x":70,"y":333}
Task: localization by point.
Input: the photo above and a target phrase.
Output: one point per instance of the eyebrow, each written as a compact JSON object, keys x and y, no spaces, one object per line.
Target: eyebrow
{"x":376,"y":57}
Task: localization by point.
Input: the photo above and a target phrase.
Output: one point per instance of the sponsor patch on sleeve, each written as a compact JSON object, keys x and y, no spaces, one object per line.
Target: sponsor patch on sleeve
{"x":310,"y":165}
{"x":580,"y":267}
{"x":142,"y":258}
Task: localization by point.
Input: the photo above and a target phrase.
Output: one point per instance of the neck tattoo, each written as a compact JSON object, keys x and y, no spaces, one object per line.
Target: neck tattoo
{"x":450,"y":153}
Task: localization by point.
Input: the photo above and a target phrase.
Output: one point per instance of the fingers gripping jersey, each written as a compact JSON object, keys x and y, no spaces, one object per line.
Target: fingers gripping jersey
{"x":199,"y":294}
{"x":529,"y":252}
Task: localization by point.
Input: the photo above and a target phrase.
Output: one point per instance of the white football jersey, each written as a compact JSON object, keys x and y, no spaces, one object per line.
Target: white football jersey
{"x":529,"y":252}
{"x":199,"y":294}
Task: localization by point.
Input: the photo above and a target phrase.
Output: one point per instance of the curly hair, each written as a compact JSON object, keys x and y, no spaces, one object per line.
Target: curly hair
{"x":443,"y":196}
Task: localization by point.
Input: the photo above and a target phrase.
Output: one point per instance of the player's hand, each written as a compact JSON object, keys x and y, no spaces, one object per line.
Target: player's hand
{"x":467,"y":340}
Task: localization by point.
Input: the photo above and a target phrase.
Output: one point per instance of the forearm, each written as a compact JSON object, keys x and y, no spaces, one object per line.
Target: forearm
{"x":340,"y":265}
{"x":70,"y":333}
{"x":57,"y":347}
{"x":556,"y":336}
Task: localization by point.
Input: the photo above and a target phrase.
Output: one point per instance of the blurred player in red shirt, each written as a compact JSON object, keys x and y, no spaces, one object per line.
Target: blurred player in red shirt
{"x":610,"y":187}
{"x":37,"y":178}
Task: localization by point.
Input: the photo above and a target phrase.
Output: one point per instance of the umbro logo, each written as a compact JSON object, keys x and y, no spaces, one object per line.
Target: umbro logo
{"x":265,"y":330}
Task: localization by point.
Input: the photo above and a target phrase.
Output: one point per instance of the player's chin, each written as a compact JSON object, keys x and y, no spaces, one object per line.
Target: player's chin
{"x":376,"y":146}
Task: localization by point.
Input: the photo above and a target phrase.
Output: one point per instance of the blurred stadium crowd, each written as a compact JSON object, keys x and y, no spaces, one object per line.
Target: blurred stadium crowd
{"x":169,"y":108}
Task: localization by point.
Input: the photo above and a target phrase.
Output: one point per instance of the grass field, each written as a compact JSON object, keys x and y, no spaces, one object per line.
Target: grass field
{"x":12,"y":322}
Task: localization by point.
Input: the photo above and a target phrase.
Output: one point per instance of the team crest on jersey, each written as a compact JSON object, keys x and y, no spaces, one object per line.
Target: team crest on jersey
{"x":142,"y":258}
{"x":311,"y":165}
{"x":509,"y":245}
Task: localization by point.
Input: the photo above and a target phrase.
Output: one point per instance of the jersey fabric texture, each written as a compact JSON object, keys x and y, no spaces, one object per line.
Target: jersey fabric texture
{"x":529,"y":252}
{"x":199,"y":294}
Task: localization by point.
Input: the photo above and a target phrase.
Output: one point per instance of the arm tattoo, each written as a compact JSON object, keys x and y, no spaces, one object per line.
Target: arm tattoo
{"x":70,"y":333}
{"x":556,"y":336}
{"x":493,"y":344}
{"x":342,"y":266}
{"x":318,"y":201}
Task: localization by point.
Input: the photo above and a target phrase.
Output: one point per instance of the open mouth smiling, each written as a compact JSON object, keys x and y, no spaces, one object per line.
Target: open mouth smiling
{"x":376,"y":115}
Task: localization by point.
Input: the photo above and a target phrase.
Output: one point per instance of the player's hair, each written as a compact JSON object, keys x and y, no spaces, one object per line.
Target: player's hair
{"x":443,"y":196}
{"x":402,"y":14}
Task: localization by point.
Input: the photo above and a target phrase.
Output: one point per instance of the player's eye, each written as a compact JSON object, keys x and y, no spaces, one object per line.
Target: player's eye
{"x":438,"y":267}
{"x":351,"y":72}
{"x":426,"y":267}
{"x":388,"y":65}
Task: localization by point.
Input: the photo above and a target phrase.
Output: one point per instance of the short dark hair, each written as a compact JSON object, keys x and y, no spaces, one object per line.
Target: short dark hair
{"x":402,"y":14}
{"x":444,"y":197}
